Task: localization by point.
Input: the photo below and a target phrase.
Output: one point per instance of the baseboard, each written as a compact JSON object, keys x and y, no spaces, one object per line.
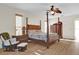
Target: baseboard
{"x":68,"y":38}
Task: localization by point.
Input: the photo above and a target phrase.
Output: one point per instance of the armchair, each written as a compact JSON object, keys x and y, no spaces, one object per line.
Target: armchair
{"x":12,"y":41}
{"x":5,"y":43}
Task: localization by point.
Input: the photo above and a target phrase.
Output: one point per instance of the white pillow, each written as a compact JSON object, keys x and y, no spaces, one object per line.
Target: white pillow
{"x":13,"y":39}
{"x":6,"y":42}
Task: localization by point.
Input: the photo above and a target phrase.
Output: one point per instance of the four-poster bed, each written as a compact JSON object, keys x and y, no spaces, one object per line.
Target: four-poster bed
{"x":34,"y":31}
{"x":35,"y":34}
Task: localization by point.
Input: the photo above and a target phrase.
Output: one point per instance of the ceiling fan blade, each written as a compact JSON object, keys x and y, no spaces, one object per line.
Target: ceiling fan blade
{"x":57,"y":10}
{"x":52,"y":8}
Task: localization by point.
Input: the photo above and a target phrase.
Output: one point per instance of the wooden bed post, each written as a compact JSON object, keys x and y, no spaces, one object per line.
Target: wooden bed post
{"x":54,"y":10}
{"x":40,"y":24}
{"x":47,"y":29}
{"x":59,"y":28}
{"x":27,"y":28}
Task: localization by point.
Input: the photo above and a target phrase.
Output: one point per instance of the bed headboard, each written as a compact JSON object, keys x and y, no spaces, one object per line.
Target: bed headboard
{"x":34,"y":27}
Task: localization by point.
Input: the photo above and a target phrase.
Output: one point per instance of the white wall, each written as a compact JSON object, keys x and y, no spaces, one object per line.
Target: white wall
{"x":34,"y":20}
{"x":69,"y":26}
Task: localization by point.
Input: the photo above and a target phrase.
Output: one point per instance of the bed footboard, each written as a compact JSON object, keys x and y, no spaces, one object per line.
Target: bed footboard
{"x":53,"y":37}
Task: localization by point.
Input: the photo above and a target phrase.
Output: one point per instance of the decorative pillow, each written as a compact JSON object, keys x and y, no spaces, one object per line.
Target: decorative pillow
{"x":5,"y":35}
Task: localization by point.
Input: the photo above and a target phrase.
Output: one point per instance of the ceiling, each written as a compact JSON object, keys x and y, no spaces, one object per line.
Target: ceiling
{"x":30,"y":7}
{"x":36,"y":8}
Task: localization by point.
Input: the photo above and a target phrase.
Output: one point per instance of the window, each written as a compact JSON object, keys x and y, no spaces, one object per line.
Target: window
{"x":18,"y":24}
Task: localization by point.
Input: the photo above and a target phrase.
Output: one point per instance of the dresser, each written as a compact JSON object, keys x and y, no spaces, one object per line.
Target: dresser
{"x":57,"y":28}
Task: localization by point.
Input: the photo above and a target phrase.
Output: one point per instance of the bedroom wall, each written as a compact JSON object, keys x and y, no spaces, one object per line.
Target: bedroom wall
{"x":69,"y":26}
{"x":35,"y":19}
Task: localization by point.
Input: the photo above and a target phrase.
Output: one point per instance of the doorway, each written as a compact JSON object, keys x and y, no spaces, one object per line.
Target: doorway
{"x":77,"y":30}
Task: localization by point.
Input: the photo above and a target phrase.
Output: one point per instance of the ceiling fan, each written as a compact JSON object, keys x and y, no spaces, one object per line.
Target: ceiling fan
{"x":55,"y":10}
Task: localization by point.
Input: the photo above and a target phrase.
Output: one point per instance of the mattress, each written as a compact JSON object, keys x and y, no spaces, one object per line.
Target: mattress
{"x":38,"y":36}
{"x":41,"y":35}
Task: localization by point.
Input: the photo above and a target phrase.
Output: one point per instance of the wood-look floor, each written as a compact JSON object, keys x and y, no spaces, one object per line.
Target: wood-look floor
{"x":64,"y":47}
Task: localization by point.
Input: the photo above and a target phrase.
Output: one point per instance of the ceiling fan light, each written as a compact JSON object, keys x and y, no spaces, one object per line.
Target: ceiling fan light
{"x":52,"y":12}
